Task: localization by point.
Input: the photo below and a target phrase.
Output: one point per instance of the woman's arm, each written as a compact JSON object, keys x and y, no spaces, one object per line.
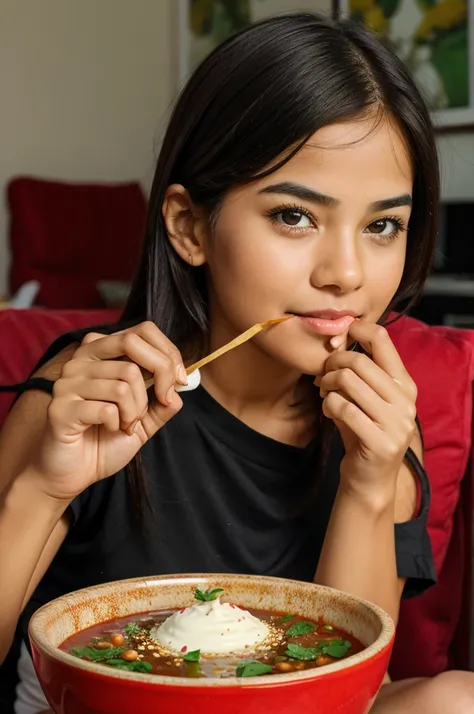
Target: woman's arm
{"x":32,"y":528}
{"x":372,"y":401}
{"x":358,"y":555}
{"x":52,"y":448}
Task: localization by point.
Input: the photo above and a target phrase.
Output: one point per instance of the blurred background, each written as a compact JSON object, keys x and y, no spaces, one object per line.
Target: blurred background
{"x":86,"y":87}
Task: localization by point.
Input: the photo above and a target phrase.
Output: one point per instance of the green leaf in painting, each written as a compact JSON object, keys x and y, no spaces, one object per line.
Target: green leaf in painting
{"x":388,"y":7}
{"x":252,"y":668}
{"x":301,"y":628}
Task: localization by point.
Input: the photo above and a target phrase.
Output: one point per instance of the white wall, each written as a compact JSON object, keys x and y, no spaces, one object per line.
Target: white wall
{"x":86,"y":86}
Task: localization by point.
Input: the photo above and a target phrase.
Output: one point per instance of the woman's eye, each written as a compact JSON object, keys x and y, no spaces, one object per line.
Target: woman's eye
{"x":293,"y":218}
{"x":384,"y":227}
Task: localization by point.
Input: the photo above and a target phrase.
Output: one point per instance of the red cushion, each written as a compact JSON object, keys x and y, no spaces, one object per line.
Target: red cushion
{"x":440,"y":361}
{"x":25,"y":335}
{"x":70,"y":236}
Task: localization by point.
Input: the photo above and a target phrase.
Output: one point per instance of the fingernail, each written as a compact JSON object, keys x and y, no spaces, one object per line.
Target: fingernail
{"x":181,"y":375}
{"x":337,"y":341}
{"x":323,"y":394}
{"x":169,"y":395}
{"x":317,"y":381}
{"x":132,"y":427}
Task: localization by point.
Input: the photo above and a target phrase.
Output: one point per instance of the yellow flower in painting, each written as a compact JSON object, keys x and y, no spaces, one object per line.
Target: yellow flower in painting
{"x":375,"y":20}
{"x":360,"y":7}
{"x":444,"y":16}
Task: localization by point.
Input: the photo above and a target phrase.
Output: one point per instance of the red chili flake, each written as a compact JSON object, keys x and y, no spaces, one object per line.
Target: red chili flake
{"x":232,"y":606}
{"x":184,"y":649}
{"x":181,"y":611}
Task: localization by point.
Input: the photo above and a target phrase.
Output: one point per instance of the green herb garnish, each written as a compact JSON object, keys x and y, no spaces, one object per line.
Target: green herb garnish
{"x":252,"y":668}
{"x":301,"y":628}
{"x":98,"y":655}
{"x":133,"y":629}
{"x":337,"y":648}
{"x":303,"y":653}
{"x":287,"y":618}
{"x":207,"y":595}
{"x":192,"y":656}
{"x":334,"y":648}
{"x":137,"y":666}
{"x":328,"y":628}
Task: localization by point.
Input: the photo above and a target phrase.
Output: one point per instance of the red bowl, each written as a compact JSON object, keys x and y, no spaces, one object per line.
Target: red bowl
{"x":74,"y":686}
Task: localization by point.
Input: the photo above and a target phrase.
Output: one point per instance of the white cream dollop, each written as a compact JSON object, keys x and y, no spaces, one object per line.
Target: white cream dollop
{"x":212,"y":627}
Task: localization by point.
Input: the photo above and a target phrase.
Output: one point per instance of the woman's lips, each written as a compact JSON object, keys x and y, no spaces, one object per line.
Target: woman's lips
{"x":328,"y":326}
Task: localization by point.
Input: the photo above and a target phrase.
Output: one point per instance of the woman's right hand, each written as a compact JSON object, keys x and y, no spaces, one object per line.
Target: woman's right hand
{"x":100,"y":415}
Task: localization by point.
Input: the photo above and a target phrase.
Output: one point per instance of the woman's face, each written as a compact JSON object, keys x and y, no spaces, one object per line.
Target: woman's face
{"x":327,"y":231}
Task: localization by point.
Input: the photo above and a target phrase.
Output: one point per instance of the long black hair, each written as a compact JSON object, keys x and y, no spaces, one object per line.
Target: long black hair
{"x":259,"y":96}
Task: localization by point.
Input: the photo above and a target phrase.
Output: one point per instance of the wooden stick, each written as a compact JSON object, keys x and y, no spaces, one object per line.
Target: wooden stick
{"x":247,"y":335}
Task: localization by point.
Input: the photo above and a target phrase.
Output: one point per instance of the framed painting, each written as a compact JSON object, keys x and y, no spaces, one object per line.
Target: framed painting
{"x":435,"y":39}
{"x":203,"y":24}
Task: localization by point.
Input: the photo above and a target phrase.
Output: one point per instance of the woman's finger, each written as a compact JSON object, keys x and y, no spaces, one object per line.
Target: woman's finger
{"x":360,"y":393}
{"x":373,"y":375}
{"x":127,"y":372}
{"x":119,"y":344}
{"x":136,"y":349}
{"x":339,"y":409}
{"x":71,"y":417}
{"x":376,"y":341}
{"x":113,"y":391}
{"x":157,"y":416}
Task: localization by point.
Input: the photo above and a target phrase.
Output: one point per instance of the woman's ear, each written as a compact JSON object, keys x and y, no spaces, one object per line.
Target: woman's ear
{"x":186,"y":224}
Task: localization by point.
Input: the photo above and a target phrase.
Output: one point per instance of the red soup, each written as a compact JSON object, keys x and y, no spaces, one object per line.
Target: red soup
{"x":294,"y":644}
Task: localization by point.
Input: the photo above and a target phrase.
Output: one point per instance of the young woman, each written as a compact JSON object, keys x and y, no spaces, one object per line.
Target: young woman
{"x":298,"y":176}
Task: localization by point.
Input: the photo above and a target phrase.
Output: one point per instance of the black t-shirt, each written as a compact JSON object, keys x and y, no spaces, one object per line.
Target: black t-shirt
{"x":225,"y":499}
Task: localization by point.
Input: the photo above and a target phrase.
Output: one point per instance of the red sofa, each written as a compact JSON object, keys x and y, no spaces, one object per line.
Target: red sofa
{"x":70,"y":236}
{"x":434,"y":630}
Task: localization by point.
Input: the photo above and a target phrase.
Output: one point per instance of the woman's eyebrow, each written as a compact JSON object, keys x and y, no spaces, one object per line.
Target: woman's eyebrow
{"x":302,"y":192}
{"x":305,"y":193}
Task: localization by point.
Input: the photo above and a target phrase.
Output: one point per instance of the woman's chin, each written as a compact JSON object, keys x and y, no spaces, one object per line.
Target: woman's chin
{"x":311,"y":360}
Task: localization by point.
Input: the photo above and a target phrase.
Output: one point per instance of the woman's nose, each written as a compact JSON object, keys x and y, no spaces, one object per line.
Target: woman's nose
{"x":338,"y":264}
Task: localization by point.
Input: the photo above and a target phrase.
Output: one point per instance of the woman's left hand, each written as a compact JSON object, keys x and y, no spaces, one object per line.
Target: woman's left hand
{"x":372,"y":401}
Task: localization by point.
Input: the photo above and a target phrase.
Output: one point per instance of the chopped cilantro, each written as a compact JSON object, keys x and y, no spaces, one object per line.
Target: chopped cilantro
{"x":133,"y":629}
{"x":334,"y":648}
{"x":252,"y":668}
{"x":303,"y":653}
{"x":287,"y":618}
{"x":328,"y":628}
{"x":95,"y":655}
{"x":192,"y":656}
{"x":137,"y":666}
{"x":207,"y":595}
{"x":337,"y":648}
{"x":301,"y":628}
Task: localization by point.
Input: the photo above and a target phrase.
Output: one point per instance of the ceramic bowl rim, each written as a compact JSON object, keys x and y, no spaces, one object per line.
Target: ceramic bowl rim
{"x":40,"y":640}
